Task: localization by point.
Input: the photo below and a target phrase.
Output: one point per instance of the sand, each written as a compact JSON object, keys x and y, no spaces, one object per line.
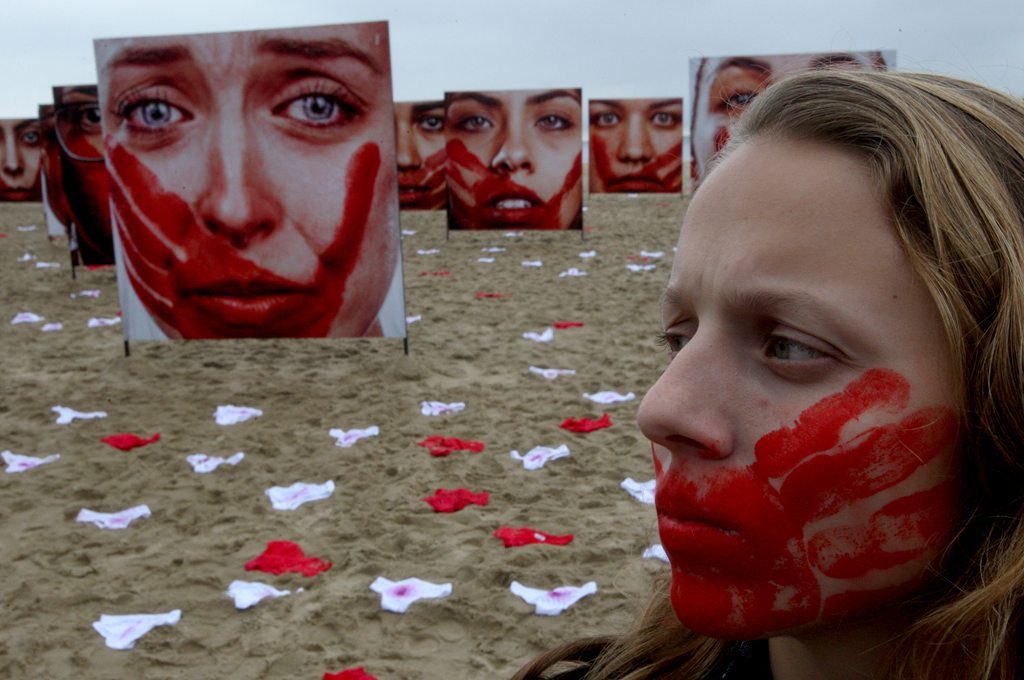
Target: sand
{"x":59,"y":575}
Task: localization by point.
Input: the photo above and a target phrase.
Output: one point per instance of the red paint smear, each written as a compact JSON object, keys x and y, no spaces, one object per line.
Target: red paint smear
{"x":486,"y":185}
{"x":878,"y":459}
{"x":819,"y":427}
{"x":453,"y":500}
{"x":567,"y":324}
{"x":127,"y":441}
{"x":208,"y":255}
{"x":285,"y":556}
{"x":898,"y":533}
{"x":514,"y":537}
{"x":664,"y":171}
{"x":442,"y":446}
{"x":480,"y":295}
{"x":3,"y":235}
{"x":431,"y":174}
{"x":358,"y":673}
{"x":585,"y":424}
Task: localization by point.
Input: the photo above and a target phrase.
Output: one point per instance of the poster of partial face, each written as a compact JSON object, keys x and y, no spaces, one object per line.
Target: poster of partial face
{"x":721,"y":88}
{"x":21,"y":154}
{"x":514,"y":159}
{"x":419,"y":148}
{"x":83,"y":174}
{"x":52,"y":192}
{"x":253,"y":183}
{"x":636,"y":146}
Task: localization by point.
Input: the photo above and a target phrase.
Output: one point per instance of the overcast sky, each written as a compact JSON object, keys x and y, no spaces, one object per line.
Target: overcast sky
{"x":610,"y":48}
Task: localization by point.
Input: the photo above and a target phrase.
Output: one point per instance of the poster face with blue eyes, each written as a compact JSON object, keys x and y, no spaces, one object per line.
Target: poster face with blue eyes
{"x":83,"y":197}
{"x":253,"y":183}
{"x":636,"y":146}
{"x":721,"y":87}
{"x":419,"y":150}
{"x":514,"y":159}
{"x":21,"y":148}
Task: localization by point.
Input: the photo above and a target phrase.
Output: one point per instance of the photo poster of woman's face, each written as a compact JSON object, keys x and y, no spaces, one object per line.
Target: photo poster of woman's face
{"x":722,"y":87}
{"x":419,"y":149}
{"x":21,"y":154}
{"x":84,"y":182}
{"x":514,"y":159}
{"x":50,"y":185}
{"x":253,"y":183}
{"x":636,"y":146}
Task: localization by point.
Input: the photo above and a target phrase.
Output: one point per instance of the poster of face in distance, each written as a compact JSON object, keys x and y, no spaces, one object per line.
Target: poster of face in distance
{"x":636,"y":146}
{"x":253,"y":183}
{"x":721,"y":88}
{"x":52,"y":193}
{"x":514,"y":159}
{"x":21,"y":152}
{"x":83,"y":176}
{"x":419,"y":149}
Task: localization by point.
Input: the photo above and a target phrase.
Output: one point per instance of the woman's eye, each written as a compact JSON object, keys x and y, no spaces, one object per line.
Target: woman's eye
{"x":317,"y":109}
{"x":740,"y":100}
{"x":153,"y":114}
{"x":474,"y":123}
{"x":785,"y":349}
{"x":554,"y":122}
{"x":673,"y":341}
{"x":663,"y":119}
{"x":432,"y":123}
{"x":606,"y":119}
{"x":31,"y":137}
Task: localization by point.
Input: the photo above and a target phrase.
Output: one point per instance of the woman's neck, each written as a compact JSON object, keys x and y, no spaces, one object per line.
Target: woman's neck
{"x":852,"y":651}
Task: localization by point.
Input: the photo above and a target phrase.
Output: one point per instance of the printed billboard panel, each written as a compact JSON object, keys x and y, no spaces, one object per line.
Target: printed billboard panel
{"x":21,"y":153}
{"x":83,"y":176}
{"x":51,"y":191}
{"x":721,"y":88}
{"x":253,"y":183}
{"x":419,"y":149}
{"x":514,"y":159}
{"x":636,"y":145}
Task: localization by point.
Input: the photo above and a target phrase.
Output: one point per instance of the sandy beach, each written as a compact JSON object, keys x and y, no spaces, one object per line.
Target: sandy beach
{"x":61,"y":575}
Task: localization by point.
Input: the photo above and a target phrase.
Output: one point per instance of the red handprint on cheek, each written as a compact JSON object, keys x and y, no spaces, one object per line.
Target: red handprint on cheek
{"x":818,"y":526}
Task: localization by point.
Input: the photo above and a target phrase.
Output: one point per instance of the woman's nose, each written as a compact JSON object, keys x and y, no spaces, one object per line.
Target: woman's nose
{"x":406,"y":149}
{"x":687,"y":410}
{"x":13,"y":166}
{"x":237,"y":202}
{"x":636,"y":144}
{"x":514,"y":154}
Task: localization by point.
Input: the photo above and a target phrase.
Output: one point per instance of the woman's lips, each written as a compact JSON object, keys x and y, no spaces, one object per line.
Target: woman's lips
{"x":636,"y":184}
{"x":514,"y":209}
{"x":252,"y":304}
{"x":697,"y":544}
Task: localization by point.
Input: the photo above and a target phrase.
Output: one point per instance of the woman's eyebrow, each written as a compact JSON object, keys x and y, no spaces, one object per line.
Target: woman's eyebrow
{"x":427,"y":106}
{"x":665,"y":103}
{"x":610,"y":103}
{"x":327,"y":48}
{"x":478,"y":97}
{"x":554,"y":94}
{"x":149,"y":56}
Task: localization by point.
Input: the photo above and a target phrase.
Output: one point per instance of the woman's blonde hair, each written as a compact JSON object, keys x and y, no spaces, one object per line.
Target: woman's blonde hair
{"x":948,"y":157}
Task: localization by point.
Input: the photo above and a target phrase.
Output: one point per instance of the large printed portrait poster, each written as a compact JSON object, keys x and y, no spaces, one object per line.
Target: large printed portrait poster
{"x":52,"y":193}
{"x":721,"y":88}
{"x":21,"y":153}
{"x":636,"y":146}
{"x":514,"y":159}
{"x":253,"y":183}
{"x":419,"y":149}
{"x":84,"y":203}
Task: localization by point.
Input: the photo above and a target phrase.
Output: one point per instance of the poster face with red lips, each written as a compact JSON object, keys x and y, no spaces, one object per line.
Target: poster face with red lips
{"x":722,"y":87}
{"x":83,"y":176}
{"x":514,"y":159}
{"x":419,"y":149}
{"x":253,"y":183}
{"x":636,"y":146}
{"x":21,"y":154}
